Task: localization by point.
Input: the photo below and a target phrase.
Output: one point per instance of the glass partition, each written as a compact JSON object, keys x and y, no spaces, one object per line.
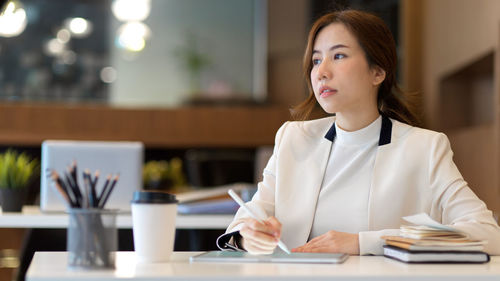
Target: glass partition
{"x":134,"y":52}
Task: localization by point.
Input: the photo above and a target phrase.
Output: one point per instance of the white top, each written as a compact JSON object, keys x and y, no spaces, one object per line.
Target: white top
{"x":53,"y":266}
{"x":343,"y":199}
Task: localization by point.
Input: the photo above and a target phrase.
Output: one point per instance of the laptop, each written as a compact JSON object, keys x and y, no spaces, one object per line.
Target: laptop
{"x":109,"y":157}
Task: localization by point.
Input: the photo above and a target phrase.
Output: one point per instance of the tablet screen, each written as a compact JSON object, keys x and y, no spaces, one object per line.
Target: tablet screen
{"x":277,"y":257}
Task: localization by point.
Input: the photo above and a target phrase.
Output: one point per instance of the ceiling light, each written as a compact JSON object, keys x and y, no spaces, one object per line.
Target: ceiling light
{"x":13,"y":21}
{"x":131,"y":10}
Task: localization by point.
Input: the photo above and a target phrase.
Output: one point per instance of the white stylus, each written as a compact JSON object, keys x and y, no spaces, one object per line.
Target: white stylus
{"x":253,"y":215}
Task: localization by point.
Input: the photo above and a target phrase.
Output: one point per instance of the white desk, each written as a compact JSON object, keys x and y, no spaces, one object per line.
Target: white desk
{"x":31,"y":217}
{"x":52,"y":266}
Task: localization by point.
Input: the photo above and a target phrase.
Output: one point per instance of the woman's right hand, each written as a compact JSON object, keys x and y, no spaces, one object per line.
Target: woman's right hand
{"x":260,"y":238}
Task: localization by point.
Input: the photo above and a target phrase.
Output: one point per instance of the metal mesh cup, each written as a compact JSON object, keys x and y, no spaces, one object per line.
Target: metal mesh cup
{"x":92,"y":238}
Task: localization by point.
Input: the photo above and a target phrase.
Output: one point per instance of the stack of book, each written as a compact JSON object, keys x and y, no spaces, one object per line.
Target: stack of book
{"x":429,"y":241}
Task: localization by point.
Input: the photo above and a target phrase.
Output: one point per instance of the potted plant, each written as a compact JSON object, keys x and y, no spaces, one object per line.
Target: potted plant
{"x":166,"y":175}
{"x":17,"y":170}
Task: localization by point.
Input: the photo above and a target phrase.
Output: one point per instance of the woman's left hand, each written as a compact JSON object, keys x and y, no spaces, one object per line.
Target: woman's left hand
{"x":332,"y":242}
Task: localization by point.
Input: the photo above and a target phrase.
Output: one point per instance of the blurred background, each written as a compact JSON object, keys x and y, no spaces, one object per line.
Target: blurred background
{"x":208,"y":82}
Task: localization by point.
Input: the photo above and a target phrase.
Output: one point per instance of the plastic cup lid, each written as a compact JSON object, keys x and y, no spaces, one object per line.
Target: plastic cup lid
{"x":153,"y":197}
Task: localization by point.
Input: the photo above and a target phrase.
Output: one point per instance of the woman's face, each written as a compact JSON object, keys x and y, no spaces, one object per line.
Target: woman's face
{"x":342,"y":81}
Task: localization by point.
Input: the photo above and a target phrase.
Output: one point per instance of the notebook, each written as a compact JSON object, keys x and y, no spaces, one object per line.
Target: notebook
{"x":109,"y":157}
{"x":428,"y":241}
{"x":276,"y":257}
{"x":409,"y":256}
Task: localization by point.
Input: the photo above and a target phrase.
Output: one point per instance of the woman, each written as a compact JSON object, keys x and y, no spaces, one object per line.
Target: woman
{"x":339,"y":183}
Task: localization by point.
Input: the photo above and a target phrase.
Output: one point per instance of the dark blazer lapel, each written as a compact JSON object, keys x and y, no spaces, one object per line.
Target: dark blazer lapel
{"x":298,"y":204}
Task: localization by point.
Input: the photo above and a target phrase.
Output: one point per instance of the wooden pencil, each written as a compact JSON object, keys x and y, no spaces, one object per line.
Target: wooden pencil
{"x":86,"y":184}
{"x":103,"y":190}
{"x":55,"y":178}
{"x":93,"y":192}
{"x":75,"y":190}
{"x":108,"y":193}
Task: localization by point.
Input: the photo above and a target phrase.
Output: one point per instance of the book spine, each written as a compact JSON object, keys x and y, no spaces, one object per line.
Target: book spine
{"x":395,"y":254}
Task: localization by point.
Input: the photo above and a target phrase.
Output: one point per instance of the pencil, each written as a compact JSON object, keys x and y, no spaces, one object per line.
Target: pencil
{"x":96,"y":177}
{"x":68,"y":190}
{"x":108,"y":193}
{"x":74,"y":172}
{"x":104,"y":188}
{"x":93,"y":192}
{"x":55,"y":178}
{"x":74,"y":188}
{"x":74,"y":175}
{"x":86,"y":184}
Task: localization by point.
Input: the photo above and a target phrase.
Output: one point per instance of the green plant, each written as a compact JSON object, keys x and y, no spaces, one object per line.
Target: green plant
{"x":194,"y":60}
{"x":163,"y":174}
{"x":17,"y":169}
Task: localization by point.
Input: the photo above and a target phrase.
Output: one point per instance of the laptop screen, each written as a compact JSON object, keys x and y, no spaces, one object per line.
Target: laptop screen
{"x":108,"y":157}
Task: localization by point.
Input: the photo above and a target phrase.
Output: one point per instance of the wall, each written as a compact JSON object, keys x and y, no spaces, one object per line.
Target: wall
{"x":171,"y":22}
{"x":288,"y":27}
{"x":455,"y":34}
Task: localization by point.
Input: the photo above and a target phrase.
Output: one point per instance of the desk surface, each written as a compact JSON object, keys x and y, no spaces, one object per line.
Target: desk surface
{"x":52,"y":266}
{"x":31,"y":217}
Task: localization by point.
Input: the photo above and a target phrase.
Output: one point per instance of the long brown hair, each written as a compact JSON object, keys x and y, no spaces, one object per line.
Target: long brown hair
{"x":379,"y":47}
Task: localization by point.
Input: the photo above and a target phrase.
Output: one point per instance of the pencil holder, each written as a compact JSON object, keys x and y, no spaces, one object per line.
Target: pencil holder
{"x":92,"y":238}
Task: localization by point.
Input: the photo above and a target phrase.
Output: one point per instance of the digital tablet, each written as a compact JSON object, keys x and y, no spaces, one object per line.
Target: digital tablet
{"x":277,"y":257}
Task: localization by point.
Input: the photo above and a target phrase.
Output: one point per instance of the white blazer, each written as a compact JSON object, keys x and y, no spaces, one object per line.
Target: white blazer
{"x":413,"y":173}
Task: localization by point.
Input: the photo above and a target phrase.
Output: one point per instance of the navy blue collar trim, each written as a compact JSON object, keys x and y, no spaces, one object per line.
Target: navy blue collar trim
{"x":385,"y":132}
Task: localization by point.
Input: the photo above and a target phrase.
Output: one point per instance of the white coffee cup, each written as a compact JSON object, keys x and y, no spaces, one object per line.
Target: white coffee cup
{"x":153,"y":225}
